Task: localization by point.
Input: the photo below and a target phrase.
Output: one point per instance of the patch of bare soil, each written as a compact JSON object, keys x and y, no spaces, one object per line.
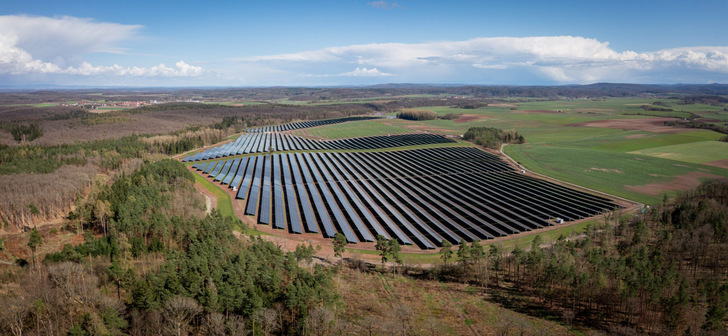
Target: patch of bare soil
{"x":678,"y":183}
{"x":655,"y":125}
{"x":470,"y":117}
{"x":635,"y":136}
{"x":430,"y":129}
{"x":718,"y":163}
{"x":536,"y":111}
{"x":605,"y":170}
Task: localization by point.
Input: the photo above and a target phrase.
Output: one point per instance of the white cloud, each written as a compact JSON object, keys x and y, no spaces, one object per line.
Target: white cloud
{"x":364,"y":72}
{"x":180,"y":69}
{"x":43,"y":45}
{"x":562,"y":59}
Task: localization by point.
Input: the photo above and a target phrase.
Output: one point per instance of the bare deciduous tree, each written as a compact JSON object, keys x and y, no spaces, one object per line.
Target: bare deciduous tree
{"x":405,"y":318}
{"x":320,"y":321}
{"x":177,"y":313}
{"x":14,"y":315}
{"x":268,"y":319}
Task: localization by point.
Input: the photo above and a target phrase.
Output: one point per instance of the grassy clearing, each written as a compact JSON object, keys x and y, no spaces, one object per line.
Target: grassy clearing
{"x":696,"y":152}
{"x":224,"y":204}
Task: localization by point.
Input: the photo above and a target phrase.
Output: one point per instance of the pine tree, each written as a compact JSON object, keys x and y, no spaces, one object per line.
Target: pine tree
{"x":34,"y":241}
{"x":446,"y":252}
{"x":339,"y":244}
{"x":383,"y":247}
{"x":463,"y":252}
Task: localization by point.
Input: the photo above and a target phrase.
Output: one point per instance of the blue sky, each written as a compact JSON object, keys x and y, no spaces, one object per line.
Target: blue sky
{"x":243,"y":43}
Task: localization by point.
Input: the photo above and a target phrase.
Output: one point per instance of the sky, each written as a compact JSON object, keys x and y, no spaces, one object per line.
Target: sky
{"x":346,"y":42}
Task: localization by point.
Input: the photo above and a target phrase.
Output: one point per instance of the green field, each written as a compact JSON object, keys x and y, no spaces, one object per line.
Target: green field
{"x":606,"y":171}
{"x":696,"y":152}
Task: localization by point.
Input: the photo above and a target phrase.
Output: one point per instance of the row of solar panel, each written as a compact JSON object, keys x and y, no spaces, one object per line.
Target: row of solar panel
{"x":420,"y":197}
{"x":307,"y":124}
{"x":270,"y":142}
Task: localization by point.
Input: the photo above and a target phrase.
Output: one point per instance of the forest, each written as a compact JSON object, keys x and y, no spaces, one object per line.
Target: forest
{"x":142,"y":266}
{"x":493,"y":137}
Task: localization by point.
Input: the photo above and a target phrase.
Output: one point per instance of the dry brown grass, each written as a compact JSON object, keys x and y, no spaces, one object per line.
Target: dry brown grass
{"x":385,"y":304}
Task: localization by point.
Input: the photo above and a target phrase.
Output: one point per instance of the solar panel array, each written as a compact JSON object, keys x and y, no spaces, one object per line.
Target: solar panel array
{"x":269,"y":142}
{"x":420,"y":197}
{"x":306,"y":124}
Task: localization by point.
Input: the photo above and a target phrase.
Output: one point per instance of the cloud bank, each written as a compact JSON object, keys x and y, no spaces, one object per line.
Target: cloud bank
{"x":43,"y":45}
{"x":550,"y":59}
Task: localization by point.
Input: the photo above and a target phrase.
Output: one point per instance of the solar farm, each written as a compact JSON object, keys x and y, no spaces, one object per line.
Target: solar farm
{"x":421,"y":197}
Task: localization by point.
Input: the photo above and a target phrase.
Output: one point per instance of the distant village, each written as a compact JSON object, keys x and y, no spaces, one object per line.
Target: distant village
{"x":92,"y":105}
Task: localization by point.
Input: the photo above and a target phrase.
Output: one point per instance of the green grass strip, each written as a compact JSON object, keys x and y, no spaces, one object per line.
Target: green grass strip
{"x":224,"y":204}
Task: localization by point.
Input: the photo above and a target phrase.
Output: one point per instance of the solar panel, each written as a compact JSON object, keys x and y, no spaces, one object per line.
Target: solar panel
{"x":231,"y":173}
{"x":265,"y":192}
{"x":209,"y":167}
{"x":240,"y":173}
{"x":318,"y":203}
{"x":294,"y":218}
{"x":219,"y":174}
{"x":252,"y":205}
{"x":303,"y":196}
{"x":248,"y":179}
{"x":352,"y":215}
{"x":331,"y":204}
{"x":279,"y":209}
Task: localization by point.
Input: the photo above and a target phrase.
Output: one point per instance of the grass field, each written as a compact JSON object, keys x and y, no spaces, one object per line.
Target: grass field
{"x":607,"y":171}
{"x":695,"y":152}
